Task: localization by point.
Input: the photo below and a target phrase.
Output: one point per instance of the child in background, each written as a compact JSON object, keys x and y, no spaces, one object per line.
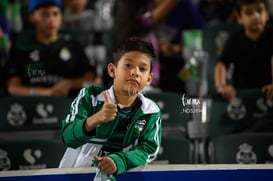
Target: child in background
{"x":250,"y":51}
{"x":118,"y":128}
{"x":47,"y":63}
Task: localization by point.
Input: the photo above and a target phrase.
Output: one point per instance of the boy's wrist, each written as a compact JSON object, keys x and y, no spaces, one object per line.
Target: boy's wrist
{"x":32,"y":91}
{"x":220,"y":86}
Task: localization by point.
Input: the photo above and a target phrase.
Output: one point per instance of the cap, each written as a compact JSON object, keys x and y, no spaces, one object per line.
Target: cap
{"x":33,"y":4}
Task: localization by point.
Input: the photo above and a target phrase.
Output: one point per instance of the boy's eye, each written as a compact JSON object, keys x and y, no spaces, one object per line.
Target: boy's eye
{"x":248,"y":12}
{"x":56,"y":13}
{"x":143,"y":69}
{"x":127,"y":65}
{"x":260,"y":10}
{"x":44,"y":14}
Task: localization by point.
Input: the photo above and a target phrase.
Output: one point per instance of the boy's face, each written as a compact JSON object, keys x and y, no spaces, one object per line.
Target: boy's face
{"x":253,"y":17}
{"x":132,"y":73}
{"x":47,"y":20}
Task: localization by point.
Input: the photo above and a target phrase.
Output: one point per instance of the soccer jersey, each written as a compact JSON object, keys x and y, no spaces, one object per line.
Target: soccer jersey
{"x":44,"y":65}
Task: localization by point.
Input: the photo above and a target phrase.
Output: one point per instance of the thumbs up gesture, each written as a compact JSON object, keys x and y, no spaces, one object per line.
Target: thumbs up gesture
{"x":109,"y":109}
{"x":107,"y":113}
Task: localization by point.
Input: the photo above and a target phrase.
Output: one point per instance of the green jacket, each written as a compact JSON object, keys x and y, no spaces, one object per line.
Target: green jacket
{"x":140,"y":145}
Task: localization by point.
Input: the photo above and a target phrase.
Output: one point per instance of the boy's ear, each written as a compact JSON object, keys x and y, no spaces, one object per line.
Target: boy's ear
{"x":111,"y":68}
{"x":238,"y":17}
{"x":268,"y":15}
{"x":150,"y":78}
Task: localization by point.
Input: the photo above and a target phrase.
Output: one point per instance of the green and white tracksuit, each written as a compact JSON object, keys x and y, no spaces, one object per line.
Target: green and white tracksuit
{"x":141,"y":142}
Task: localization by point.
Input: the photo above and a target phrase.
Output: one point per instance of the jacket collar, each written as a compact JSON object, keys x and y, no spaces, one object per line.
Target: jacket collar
{"x":148,"y":106}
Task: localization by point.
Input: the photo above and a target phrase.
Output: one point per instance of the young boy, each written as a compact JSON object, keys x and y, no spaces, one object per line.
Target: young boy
{"x":46,"y":63}
{"x":118,"y":128}
{"x":250,"y":52}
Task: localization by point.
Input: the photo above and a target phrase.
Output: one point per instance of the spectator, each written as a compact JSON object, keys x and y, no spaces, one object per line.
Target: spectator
{"x":139,"y":18}
{"x":77,"y":16}
{"x":184,"y":16}
{"x":46,"y":63}
{"x":249,"y":52}
{"x":127,"y":124}
{"x":5,"y":42}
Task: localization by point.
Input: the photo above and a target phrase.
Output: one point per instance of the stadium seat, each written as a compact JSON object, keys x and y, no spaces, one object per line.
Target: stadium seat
{"x":236,"y":116}
{"x":175,"y":150}
{"x":242,"y":148}
{"x":28,"y":117}
{"x":30,"y":154}
{"x":32,"y":113}
{"x":174,"y":122}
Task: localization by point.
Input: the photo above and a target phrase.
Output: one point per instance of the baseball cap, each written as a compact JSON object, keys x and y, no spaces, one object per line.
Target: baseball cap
{"x":33,"y":4}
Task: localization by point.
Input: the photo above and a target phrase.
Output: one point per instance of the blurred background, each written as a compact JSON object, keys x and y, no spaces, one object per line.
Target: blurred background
{"x":199,"y":125}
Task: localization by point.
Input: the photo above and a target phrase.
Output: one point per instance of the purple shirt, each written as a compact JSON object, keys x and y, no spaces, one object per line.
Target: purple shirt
{"x":4,"y":25}
{"x":184,"y":16}
{"x":150,"y":35}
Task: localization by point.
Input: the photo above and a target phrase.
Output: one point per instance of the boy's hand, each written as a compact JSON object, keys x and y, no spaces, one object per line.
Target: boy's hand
{"x":227,"y":91}
{"x":268,"y":90}
{"x":106,"y":114}
{"x":106,"y":164}
{"x":61,"y":88}
{"x":109,"y":109}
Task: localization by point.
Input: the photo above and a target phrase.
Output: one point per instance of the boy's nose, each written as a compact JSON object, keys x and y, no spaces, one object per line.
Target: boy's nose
{"x":134,"y":72}
{"x":256,"y":15}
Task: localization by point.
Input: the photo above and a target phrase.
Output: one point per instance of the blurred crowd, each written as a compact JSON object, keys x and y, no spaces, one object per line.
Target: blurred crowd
{"x":57,"y":47}
{"x":97,"y":26}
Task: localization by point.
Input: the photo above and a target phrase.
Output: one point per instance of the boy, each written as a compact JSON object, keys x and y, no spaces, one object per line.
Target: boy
{"x":250,"y":52}
{"x":47,"y":63}
{"x":121,"y":127}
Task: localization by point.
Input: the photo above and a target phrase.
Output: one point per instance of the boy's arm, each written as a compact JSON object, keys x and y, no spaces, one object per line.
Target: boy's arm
{"x":225,"y":59}
{"x":16,"y":88}
{"x":220,"y":75}
{"x":162,"y":8}
{"x":227,"y":91}
{"x":79,"y":126}
{"x":145,"y":151}
{"x":62,"y":88}
{"x":73,"y":133}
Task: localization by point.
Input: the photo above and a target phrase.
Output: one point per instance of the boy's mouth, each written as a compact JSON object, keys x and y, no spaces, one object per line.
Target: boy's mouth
{"x":132,"y":81}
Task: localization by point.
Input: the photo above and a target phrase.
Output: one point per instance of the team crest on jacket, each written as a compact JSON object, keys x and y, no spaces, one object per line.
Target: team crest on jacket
{"x":140,"y":124}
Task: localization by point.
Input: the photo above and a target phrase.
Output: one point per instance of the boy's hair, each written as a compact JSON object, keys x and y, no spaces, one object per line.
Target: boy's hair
{"x":134,"y":44}
{"x":35,"y":4}
{"x":240,"y":3}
